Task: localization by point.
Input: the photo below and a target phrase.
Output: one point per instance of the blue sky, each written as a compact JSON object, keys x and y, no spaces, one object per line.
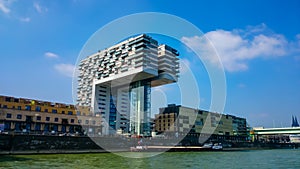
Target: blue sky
{"x":257,"y":41}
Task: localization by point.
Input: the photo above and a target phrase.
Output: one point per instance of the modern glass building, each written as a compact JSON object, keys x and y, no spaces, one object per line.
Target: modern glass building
{"x":116,"y":82}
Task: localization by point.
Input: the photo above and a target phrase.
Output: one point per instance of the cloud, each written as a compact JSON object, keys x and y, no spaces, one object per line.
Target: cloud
{"x":4,"y":6}
{"x":235,"y":48}
{"x":51,"y":55}
{"x":26,"y":19}
{"x":184,"y":66}
{"x":39,"y":8}
{"x":65,"y":69}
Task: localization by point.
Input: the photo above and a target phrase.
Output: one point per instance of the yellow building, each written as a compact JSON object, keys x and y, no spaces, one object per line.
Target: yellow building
{"x":42,"y":117}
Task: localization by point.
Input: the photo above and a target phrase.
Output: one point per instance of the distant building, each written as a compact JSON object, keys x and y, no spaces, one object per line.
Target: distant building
{"x":116,"y":82}
{"x":179,"y":119}
{"x":295,"y":122}
{"x":274,"y":135}
{"x":43,"y":117}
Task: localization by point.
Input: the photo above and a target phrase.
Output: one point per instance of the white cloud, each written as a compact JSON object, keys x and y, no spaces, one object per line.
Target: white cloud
{"x":4,"y":7}
{"x":39,"y":8}
{"x":26,"y":19}
{"x":236,"y":47}
{"x":65,"y":69}
{"x":184,"y":66}
{"x":51,"y":55}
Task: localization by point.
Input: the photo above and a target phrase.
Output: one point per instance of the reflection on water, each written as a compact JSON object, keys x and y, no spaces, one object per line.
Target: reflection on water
{"x":287,"y":158}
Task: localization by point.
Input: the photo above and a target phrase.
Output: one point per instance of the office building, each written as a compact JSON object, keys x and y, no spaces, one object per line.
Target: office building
{"x":183,"y":120}
{"x":116,"y":82}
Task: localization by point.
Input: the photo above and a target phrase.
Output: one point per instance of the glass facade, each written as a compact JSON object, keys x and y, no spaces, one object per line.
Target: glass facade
{"x":140,"y":100}
{"x":112,"y":114}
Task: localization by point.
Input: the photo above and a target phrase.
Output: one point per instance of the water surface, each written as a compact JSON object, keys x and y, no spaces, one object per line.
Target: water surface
{"x":284,"y":158}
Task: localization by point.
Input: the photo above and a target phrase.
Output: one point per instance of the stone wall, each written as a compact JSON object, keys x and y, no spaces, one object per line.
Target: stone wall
{"x":38,"y":143}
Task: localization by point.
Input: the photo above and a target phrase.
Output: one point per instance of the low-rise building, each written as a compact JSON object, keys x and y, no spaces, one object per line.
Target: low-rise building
{"x":183,"y":120}
{"x":42,"y":117}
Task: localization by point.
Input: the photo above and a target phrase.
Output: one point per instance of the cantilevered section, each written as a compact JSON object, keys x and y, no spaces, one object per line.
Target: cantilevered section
{"x":116,"y":82}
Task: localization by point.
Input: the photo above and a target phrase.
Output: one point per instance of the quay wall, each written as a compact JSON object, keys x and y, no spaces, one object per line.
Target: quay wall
{"x":14,"y":144}
{"x":44,"y":144}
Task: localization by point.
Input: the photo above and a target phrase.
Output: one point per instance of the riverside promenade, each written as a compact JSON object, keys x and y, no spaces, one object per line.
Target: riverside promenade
{"x":40,"y":144}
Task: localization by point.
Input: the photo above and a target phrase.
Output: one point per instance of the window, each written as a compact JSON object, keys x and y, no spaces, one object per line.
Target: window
{"x":79,"y":121}
{"x":7,"y":126}
{"x":8,"y":115}
{"x":78,"y":113}
{"x":62,"y":112}
{"x":7,"y":99}
{"x":38,"y":108}
{"x":19,"y":116}
{"x":38,"y":117}
{"x":94,"y":122}
{"x":19,"y":107}
{"x":64,"y":121}
{"x":46,"y":128}
{"x":55,"y":127}
{"x":29,"y":119}
{"x":27,"y":107}
{"x":47,"y":118}
{"x":54,"y":111}
{"x":56,"y":119}
{"x":46,"y":110}
{"x":37,"y":127}
{"x":5,"y":106}
{"x":71,"y":129}
{"x":86,"y":121}
{"x":16,"y":100}
{"x":70,"y":113}
{"x":72,"y":120}
{"x":103,"y":87}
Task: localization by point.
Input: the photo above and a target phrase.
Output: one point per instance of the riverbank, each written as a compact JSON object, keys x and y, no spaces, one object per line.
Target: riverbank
{"x":39,"y":144}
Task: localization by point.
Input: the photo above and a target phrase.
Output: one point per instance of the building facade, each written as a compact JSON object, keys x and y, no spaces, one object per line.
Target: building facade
{"x":42,"y":117}
{"x":116,"y":82}
{"x":179,"y":119}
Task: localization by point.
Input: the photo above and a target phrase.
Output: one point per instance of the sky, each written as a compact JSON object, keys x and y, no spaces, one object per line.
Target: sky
{"x":258,"y":43}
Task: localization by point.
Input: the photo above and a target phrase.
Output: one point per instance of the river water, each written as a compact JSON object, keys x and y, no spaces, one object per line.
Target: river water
{"x":258,"y":159}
